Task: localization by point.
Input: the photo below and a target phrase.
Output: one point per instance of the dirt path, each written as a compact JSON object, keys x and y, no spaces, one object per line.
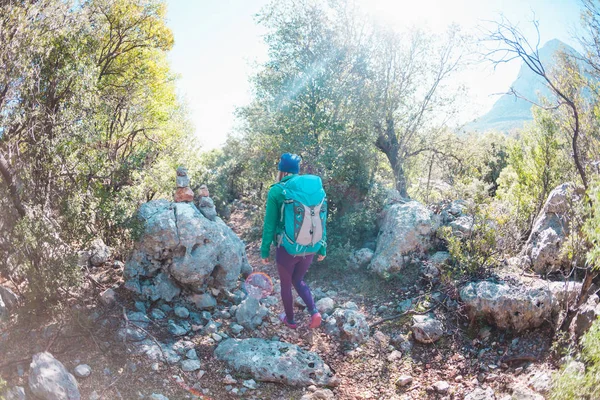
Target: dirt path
{"x":467,"y":357}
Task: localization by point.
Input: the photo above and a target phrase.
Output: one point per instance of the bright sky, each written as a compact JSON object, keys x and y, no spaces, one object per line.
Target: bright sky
{"x":218,"y":45}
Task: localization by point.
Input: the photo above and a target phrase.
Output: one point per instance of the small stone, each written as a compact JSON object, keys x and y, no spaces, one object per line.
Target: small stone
{"x":166,"y":308}
{"x":157,"y":396}
{"x":350,"y":305}
{"x":82,"y":371}
{"x":140,"y":306}
{"x":94,"y":396}
{"x":176,"y":329}
{"x":157,"y":314}
{"x":229,"y":380}
{"x":204,"y":301}
{"x":108,"y":297}
{"x":235,"y":390}
{"x":325,"y":305}
{"x":200,"y":374}
{"x":426,"y":329}
{"x":184,"y":194}
{"x":190,"y":365}
{"x":191,"y":354}
{"x":216,"y":337}
{"x":404,"y":380}
{"x":155,"y":367}
{"x":441,"y":387}
{"x":182,"y":312}
{"x":250,"y":384}
{"x":394,"y":355}
{"x":236,"y":329}
{"x":203,"y":191}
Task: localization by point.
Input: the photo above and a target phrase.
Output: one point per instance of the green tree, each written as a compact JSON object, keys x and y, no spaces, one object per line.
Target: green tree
{"x":89,"y":122}
{"x":412,"y":96}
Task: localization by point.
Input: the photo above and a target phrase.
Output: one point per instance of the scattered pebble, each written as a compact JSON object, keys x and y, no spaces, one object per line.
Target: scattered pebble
{"x":190,"y":365}
{"x":182,"y":312}
{"x":441,"y":387}
{"x":404,"y":380}
{"x":82,"y":371}
{"x":229,"y":380}
{"x":250,"y":384}
{"x":191,"y":354}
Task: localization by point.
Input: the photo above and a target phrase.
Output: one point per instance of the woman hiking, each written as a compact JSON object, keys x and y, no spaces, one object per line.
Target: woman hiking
{"x":295,"y":221}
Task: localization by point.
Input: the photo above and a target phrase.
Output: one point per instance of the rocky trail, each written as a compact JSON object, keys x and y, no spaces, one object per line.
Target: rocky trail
{"x":136,"y":332}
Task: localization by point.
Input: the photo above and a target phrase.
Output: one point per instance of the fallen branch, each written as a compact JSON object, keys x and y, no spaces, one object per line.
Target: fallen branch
{"x":408,"y":312}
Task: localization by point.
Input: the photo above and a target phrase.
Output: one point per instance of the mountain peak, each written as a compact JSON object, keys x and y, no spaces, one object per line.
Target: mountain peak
{"x":509,"y":112}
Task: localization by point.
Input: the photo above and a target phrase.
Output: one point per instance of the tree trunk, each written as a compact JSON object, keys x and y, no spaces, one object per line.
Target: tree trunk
{"x":8,"y":177}
{"x":387,"y":143}
{"x":400,"y":178}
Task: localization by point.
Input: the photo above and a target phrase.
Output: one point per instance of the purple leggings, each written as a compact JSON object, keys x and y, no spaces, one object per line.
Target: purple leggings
{"x":291,"y":272}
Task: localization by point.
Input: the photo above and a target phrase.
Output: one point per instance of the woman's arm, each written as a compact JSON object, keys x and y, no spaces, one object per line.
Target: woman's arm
{"x":270,"y":224}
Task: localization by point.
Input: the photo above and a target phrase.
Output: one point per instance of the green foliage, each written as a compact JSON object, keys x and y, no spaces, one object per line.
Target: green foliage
{"x":90,"y":128}
{"x":476,"y":248}
{"x":538,"y":161}
{"x":353,"y":229}
{"x":571,"y":384}
{"x":47,"y":262}
{"x":591,"y":228}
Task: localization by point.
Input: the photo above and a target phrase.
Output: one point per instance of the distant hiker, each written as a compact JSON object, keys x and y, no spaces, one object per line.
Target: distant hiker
{"x":295,"y":221}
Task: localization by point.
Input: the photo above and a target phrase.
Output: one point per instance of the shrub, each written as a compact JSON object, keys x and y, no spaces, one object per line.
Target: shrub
{"x":476,"y":249}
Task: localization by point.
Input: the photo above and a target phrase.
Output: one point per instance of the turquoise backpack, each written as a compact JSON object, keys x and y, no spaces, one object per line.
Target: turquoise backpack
{"x":304,"y":215}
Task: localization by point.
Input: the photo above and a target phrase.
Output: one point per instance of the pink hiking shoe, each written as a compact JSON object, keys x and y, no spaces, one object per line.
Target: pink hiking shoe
{"x":283,"y":319}
{"x":315,"y":320}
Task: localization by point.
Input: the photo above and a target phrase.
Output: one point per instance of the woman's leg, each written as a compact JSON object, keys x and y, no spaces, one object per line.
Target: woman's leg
{"x":301,"y":286}
{"x":285,"y":267}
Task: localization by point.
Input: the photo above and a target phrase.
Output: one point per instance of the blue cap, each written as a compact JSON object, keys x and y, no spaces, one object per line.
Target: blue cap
{"x":289,"y":163}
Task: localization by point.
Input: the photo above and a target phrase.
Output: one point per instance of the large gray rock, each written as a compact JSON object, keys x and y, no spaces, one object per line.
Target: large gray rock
{"x":406,"y":229}
{"x":10,"y":298}
{"x":207,"y":208}
{"x":349,"y":325}
{"x":517,"y":306}
{"x":274,"y":361}
{"x":180,"y":248}
{"x":508,"y":307}
{"x":50,"y":380}
{"x":586,"y":315}
{"x":360,"y":258}
{"x":542,"y":251}
{"x":99,"y":253}
{"x":250,"y":313}
{"x":15,"y":393}
{"x":3,"y":310}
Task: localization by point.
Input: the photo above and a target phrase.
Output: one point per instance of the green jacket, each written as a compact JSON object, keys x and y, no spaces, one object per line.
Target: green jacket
{"x":273,"y":224}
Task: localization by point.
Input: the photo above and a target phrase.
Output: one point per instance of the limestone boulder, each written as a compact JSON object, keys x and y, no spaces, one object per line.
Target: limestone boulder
{"x":406,"y":229}
{"x":274,"y":361}
{"x":518,"y":306}
{"x":542,"y":251}
{"x":50,"y":380}
{"x":250,"y":313}
{"x":10,"y":298}
{"x":99,"y":253}
{"x":180,"y":250}
{"x":349,"y":325}
{"x":508,"y":306}
{"x":15,"y":393}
